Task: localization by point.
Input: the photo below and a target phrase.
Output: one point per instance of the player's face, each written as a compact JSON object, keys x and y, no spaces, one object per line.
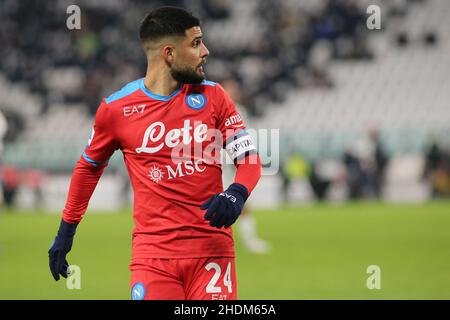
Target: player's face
{"x":190,"y":58}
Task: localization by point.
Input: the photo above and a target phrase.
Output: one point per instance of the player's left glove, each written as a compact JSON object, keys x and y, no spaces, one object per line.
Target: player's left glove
{"x":59,"y":249}
{"x":224,"y":208}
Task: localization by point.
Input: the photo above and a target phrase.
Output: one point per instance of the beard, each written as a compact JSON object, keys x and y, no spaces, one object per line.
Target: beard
{"x":186,"y":75}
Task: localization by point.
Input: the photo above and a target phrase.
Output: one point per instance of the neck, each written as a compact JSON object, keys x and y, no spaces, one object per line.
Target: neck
{"x":159,"y":81}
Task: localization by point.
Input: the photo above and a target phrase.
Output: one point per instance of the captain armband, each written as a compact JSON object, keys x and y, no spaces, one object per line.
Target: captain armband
{"x":240,"y":145}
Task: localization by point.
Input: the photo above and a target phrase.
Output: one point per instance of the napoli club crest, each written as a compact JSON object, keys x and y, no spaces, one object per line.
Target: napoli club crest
{"x":196,"y":101}
{"x":138,"y":291}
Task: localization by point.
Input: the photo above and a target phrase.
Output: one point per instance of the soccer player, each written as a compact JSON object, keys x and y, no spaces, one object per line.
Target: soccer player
{"x":170,"y":127}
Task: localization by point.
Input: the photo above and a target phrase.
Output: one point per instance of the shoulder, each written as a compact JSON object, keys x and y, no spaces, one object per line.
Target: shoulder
{"x":124,"y":92}
{"x":211,"y":89}
{"x":106,"y":109}
{"x":205,"y":86}
{"x":208,"y":83}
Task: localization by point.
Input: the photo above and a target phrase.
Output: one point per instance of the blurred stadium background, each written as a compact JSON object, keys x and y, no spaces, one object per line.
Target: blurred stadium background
{"x":364,"y":149}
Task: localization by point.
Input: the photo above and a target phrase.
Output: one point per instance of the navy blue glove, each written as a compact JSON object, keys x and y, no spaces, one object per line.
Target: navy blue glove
{"x":224,"y":208}
{"x":59,"y":249}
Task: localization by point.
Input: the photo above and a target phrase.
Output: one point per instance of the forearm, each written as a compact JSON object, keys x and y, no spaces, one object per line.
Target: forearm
{"x":248,"y":172}
{"x":84,"y":180}
{"x":224,"y":208}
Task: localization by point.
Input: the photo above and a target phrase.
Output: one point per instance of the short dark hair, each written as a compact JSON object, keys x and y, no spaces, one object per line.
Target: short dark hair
{"x":166,"y":21}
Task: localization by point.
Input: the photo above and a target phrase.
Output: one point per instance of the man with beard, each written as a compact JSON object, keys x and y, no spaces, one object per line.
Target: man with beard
{"x":170,"y":127}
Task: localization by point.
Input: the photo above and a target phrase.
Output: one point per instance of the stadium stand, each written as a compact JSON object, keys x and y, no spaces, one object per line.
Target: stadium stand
{"x":308,"y":67}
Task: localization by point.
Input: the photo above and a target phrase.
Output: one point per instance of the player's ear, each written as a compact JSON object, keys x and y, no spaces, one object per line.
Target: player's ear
{"x":169,"y":53}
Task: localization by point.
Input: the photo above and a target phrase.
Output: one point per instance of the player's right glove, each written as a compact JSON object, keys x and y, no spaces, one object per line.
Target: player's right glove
{"x":59,"y":249}
{"x":224,"y":208}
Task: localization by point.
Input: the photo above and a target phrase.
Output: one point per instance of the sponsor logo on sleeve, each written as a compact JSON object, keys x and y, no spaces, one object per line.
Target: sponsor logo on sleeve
{"x":234,"y":121}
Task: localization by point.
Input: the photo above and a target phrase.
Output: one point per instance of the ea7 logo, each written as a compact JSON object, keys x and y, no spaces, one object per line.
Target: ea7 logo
{"x":228,"y":196}
{"x":130,"y":110}
{"x":233,"y":120}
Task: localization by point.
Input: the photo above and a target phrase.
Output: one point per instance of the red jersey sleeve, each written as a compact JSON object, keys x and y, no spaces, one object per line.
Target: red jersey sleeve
{"x":102,"y":143}
{"x":90,"y":167}
{"x":236,"y":140}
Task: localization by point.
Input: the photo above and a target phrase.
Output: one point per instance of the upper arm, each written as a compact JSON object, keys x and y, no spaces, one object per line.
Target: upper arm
{"x":236,"y":140}
{"x":102,"y":142}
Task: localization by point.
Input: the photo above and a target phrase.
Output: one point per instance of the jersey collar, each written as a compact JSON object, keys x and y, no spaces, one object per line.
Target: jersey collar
{"x":157,"y":96}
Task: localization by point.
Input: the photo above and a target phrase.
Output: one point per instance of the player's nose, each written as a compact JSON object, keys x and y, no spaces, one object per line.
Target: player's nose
{"x":204,"y":52}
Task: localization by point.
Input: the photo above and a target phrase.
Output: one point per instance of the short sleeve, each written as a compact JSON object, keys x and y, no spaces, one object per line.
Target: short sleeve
{"x":237,"y":141}
{"x":102,"y":143}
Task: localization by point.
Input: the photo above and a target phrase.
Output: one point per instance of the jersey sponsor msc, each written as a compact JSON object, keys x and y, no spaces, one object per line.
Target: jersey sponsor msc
{"x":170,"y":146}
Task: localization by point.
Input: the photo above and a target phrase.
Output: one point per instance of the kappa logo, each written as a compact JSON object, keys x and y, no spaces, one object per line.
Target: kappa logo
{"x":196,"y":101}
{"x":234,"y":121}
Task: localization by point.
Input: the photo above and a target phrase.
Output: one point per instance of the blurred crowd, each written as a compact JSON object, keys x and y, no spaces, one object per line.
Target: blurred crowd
{"x":105,"y":53}
{"x":291,"y":47}
{"x":437,"y":170}
{"x":362,"y":171}
{"x":12,"y":178}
